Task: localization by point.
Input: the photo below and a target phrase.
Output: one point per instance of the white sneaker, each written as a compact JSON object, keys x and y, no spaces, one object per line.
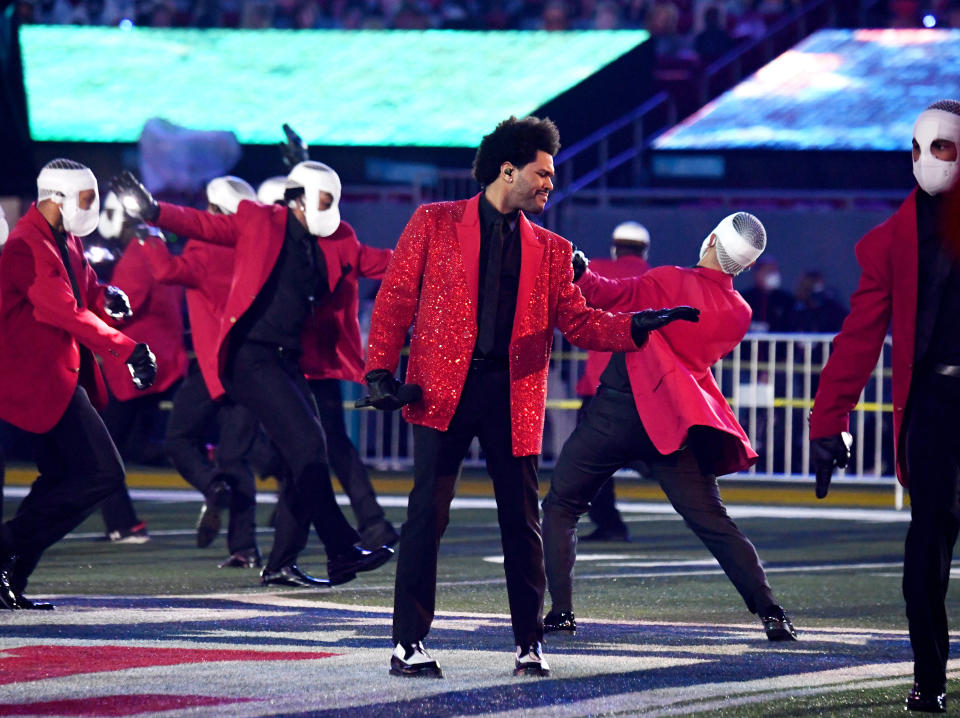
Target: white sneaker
{"x":413,"y":660}
{"x":530,"y":661}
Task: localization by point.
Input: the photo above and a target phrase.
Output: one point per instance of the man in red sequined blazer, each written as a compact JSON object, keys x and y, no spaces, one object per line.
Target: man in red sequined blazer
{"x":483,"y":289}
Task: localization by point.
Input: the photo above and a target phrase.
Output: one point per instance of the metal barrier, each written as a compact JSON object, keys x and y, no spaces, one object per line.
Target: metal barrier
{"x":769,"y":379}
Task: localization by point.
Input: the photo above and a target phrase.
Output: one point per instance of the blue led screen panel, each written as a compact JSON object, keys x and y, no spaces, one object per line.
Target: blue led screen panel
{"x":836,"y":90}
{"x":430,"y":88}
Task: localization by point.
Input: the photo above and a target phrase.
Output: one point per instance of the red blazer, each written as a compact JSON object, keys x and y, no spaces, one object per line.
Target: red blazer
{"x":431,"y":283}
{"x":886,"y":296}
{"x":257,"y":232}
{"x":331,"y":336}
{"x":629,"y":265}
{"x":672,"y":384}
{"x":45,"y":338}
{"x":157,"y":320}
{"x":205,"y":270}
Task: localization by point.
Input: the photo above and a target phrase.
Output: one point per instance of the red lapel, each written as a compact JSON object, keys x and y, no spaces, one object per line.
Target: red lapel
{"x":468,"y":232}
{"x":531,"y":255}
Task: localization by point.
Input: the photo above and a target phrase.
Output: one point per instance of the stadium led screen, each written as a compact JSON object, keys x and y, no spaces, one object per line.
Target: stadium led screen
{"x":836,"y":90}
{"x":357,"y":88}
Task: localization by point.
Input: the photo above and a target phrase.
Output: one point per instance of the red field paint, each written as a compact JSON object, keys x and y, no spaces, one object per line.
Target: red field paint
{"x":114,"y":705}
{"x":34,"y":663}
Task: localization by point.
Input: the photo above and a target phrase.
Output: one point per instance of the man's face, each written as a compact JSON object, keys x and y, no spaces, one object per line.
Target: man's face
{"x":531,"y":184}
{"x":942,"y":149}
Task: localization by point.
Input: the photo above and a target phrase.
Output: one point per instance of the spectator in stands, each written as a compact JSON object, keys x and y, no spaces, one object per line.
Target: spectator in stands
{"x":555,"y":16}
{"x":817,"y":308}
{"x":713,"y":41}
{"x":773,"y":307}
{"x":629,"y":251}
{"x":662,"y":23}
{"x":751,"y":24}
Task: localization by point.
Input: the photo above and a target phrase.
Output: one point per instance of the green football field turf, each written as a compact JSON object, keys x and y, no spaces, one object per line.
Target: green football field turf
{"x":828,"y":574}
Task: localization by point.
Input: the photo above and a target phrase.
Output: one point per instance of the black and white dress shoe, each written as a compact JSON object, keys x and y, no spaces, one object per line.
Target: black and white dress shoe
{"x":346,"y":566}
{"x":9,"y":598}
{"x":777,"y":624}
{"x":530,"y":661}
{"x":28,"y":604}
{"x":560,"y":621}
{"x":413,"y":661}
{"x":291,"y":576}
{"x":924,"y":700}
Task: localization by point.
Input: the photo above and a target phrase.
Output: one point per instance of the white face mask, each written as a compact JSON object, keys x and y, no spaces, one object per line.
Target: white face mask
{"x":80,"y":222}
{"x":4,"y":230}
{"x":111,"y":217}
{"x":932,"y":174}
{"x":316,"y":177}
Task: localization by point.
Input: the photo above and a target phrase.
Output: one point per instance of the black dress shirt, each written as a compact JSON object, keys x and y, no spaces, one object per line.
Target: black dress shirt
{"x":298,"y":280}
{"x":938,"y":282}
{"x":490,"y":222}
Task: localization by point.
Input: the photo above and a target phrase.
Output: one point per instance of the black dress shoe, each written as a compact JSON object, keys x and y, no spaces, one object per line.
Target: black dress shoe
{"x":413,"y":661}
{"x":291,"y":576}
{"x":530,"y":662}
{"x":607,"y":534}
{"x":560,"y":621}
{"x":927,"y":701}
{"x":346,"y":566}
{"x":777,"y":624}
{"x":381,"y":534}
{"x":9,"y":598}
{"x":208,"y":526}
{"x":250,"y":558}
{"x":27,"y":604}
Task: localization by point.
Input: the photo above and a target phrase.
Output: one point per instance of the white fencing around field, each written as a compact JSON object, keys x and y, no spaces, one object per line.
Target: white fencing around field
{"x":769,"y":379}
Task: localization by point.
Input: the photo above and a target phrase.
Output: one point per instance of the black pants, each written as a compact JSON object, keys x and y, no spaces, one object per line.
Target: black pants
{"x":188,"y":429}
{"x":344,"y":457}
{"x":612,"y":436}
{"x":267,"y":381}
{"x":79,"y":466}
{"x":933,"y":465}
{"x":603,"y":508}
{"x":483,"y":412}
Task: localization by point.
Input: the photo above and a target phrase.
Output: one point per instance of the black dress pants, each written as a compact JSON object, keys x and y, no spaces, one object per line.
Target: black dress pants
{"x":603,"y":508}
{"x":344,"y":457}
{"x":79,"y":466}
{"x":189,"y":427}
{"x":483,"y":412}
{"x":612,"y":436}
{"x":933,"y":465}
{"x":266,"y":380}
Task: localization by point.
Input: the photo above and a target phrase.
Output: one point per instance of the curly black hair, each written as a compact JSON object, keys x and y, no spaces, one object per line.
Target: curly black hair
{"x":515,"y":141}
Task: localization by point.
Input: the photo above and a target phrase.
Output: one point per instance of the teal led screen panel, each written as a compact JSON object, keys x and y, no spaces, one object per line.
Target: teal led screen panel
{"x":847,"y":90}
{"x":430,"y":88}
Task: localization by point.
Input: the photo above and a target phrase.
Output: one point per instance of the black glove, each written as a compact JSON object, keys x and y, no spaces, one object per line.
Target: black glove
{"x":648,"y":320}
{"x":579,"y":262}
{"x":294,"y":150}
{"x":116,"y":304}
{"x":829,"y":452}
{"x":386,"y":393}
{"x":136,"y":199}
{"x":143,"y":366}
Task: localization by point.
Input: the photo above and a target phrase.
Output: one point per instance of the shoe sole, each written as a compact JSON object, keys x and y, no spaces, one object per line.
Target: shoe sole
{"x":428,"y":672}
{"x":780,"y":634}
{"x":535,"y":671}
{"x":344,"y":576}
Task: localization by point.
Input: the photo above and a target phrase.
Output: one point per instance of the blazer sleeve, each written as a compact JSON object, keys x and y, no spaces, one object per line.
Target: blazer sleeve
{"x":396,"y":302}
{"x":133,"y":276}
{"x":585,"y":326}
{"x":53,"y":303}
{"x":197,"y":224}
{"x":187,"y":270}
{"x":625,"y":293}
{"x":372,"y":263}
{"x":857,"y":347}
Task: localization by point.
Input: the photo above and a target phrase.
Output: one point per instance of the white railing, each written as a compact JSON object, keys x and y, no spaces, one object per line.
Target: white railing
{"x":769,"y":379}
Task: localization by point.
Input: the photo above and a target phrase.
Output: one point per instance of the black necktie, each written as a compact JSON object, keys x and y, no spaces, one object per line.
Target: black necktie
{"x":65,"y":256}
{"x":486,"y":336}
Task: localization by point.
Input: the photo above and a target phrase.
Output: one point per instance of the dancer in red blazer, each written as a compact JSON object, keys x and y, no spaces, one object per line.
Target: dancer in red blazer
{"x":157,"y":321}
{"x":227,"y":482}
{"x":662,"y":406}
{"x":910,"y":283}
{"x":54,"y":316}
{"x":332,"y":352}
{"x":278,"y":276}
{"x":483,"y":289}
{"x":631,"y":245}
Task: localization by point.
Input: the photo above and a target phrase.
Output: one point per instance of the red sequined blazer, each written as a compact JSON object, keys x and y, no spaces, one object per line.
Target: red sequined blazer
{"x":431,"y":284}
